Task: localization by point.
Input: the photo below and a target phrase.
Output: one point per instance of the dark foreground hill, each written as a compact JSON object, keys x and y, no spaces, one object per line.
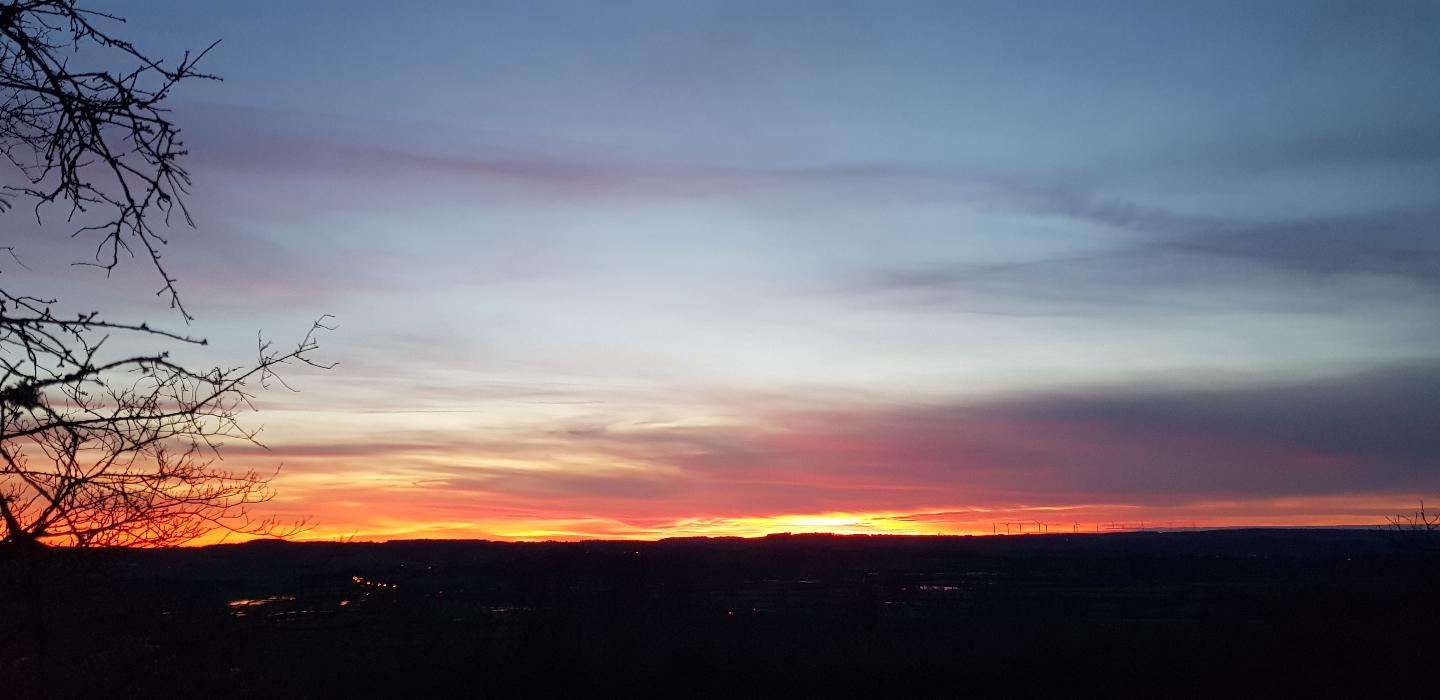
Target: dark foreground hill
{"x":1257,"y":613}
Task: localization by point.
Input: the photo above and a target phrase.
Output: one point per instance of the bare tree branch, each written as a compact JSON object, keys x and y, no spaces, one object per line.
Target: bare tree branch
{"x":94,"y":139}
{"x":97,"y":448}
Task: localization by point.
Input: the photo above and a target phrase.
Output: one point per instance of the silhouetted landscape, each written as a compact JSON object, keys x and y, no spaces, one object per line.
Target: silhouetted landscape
{"x":1252,"y":612}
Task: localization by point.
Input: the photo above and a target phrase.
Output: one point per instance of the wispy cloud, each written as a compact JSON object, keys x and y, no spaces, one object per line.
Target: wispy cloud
{"x":1098,"y":450}
{"x":1190,"y":265}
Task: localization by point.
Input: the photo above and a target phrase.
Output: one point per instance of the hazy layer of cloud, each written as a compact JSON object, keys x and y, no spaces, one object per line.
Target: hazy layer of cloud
{"x":1342,"y":437}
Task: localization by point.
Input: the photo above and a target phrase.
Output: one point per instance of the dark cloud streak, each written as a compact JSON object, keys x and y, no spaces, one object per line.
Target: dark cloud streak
{"x":1203,"y":256}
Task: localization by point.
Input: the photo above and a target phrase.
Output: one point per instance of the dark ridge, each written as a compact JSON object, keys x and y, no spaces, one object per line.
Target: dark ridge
{"x":1249,"y":612}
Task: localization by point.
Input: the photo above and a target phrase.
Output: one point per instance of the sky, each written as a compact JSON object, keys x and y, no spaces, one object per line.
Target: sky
{"x":651,"y":269}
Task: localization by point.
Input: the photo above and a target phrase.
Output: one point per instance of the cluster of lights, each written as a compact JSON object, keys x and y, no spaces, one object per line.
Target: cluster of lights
{"x":239,"y":606}
{"x":361,"y":580}
{"x":254,"y":602}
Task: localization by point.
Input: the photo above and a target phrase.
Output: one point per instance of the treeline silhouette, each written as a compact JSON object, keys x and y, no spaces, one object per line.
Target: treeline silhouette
{"x":1192,"y":614}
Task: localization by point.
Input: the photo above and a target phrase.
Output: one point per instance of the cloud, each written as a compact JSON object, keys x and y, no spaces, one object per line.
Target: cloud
{"x":1161,"y":259}
{"x":1367,"y":432}
{"x":1351,"y":436}
{"x":1185,"y":264}
{"x":1384,"y":243}
{"x":269,"y":144}
{"x":410,"y":157}
{"x":1394,"y":144}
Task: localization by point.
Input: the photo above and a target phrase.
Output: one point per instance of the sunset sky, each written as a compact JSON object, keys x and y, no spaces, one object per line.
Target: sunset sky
{"x":643,"y":269}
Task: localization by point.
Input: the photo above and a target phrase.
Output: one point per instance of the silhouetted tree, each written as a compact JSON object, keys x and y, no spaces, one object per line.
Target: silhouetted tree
{"x":101,"y":448}
{"x":1420,"y":529}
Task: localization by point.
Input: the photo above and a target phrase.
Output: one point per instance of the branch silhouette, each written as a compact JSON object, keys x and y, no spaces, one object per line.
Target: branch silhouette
{"x":101,"y":448}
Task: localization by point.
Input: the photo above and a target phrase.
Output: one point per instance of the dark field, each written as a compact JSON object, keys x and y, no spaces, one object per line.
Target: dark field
{"x":1255,"y":613}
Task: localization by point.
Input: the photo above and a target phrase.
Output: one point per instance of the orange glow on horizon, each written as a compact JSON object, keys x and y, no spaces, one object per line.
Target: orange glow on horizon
{"x":968,"y":520}
{"x":756,"y":470}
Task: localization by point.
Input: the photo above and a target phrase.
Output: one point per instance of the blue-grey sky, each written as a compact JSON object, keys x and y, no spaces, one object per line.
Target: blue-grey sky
{"x":637,"y":268}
